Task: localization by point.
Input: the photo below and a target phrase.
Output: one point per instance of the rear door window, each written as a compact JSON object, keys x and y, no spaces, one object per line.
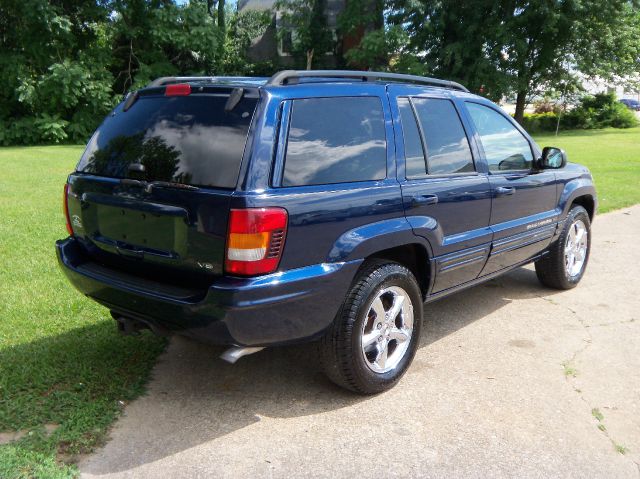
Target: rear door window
{"x":180,"y":139}
{"x":335,"y":140}
{"x":448,"y":150}
{"x":415,"y":165}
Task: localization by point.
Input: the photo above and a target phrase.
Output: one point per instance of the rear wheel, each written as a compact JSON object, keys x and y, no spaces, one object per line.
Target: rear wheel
{"x":566,"y":262}
{"x":375,"y":335}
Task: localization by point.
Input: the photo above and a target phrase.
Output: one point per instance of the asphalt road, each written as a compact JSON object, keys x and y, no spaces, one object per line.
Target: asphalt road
{"x":508,"y":382}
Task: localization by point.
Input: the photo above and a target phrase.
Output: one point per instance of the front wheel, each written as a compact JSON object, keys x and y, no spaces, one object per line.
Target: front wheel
{"x":375,"y":334}
{"x":566,"y":262}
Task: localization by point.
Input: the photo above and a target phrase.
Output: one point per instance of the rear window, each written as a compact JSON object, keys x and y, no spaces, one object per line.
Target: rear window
{"x":180,"y":139}
{"x":335,"y":140}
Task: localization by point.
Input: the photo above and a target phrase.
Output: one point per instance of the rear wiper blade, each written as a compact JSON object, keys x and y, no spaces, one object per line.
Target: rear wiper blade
{"x":169,"y":184}
{"x":234,"y":99}
{"x":130,"y":99}
{"x":149,"y":185}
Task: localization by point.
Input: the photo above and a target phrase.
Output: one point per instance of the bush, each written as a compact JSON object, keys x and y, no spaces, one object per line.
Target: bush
{"x":538,"y":122}
{"x":598,"y":111}
{"x":64,"y":104}
{"x":545,"y":106}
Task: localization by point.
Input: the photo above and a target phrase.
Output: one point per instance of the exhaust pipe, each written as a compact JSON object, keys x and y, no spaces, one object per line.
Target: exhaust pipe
{"x":231,"y":355}
{"x":129,"y":326}
{"x":132,"y":326}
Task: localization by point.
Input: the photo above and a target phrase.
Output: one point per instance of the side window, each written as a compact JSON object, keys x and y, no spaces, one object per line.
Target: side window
{"x":447,"y":146}
{"x":504,"y":146}
{"x":415,"y":165}
{"x":335,"y":140}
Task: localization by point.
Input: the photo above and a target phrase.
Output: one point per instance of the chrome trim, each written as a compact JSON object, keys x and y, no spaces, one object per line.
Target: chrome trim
{"x":521,"y":240}
{"x":576,"y":248}
{"x":285,"y":77}
{"x":232,"y":355}
{"x":386,"y":331}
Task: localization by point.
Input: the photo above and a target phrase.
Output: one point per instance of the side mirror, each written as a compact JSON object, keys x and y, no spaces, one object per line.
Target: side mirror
{"x":553,"y":158}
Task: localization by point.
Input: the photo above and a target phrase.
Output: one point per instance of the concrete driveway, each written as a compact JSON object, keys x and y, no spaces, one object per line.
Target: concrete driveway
{"x":511,"y":380}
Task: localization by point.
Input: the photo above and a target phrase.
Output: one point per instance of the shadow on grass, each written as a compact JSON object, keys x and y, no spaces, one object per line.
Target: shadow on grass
{"x":196,"y":397}
{"x":77,"y":381}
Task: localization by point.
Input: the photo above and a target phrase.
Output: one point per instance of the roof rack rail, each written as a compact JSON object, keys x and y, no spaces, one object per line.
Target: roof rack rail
{"x":287,"y":77}
{"x":166,"y":80}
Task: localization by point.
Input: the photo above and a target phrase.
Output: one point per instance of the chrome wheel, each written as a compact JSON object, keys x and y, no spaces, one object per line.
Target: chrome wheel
{"x":387,"y":329}
{"x":575,"y":248}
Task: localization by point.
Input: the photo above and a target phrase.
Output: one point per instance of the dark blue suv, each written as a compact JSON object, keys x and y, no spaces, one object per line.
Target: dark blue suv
{"x":319,"y":206}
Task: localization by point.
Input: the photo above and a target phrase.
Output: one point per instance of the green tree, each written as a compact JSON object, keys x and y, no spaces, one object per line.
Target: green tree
{"x":153,"y":38}
{"x":54,"y":81}
{"x":363,"y":39}
{"x":306,"y":20}
{"x":218,"y":11}
{"x":243,"y":28}
{"x":517,"y":46}
{"x":542,"y":42}
{"x":453,"y":40}
{"x":65,"y":63}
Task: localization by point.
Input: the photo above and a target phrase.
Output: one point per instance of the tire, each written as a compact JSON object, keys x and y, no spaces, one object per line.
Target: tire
{"x":555,"y":270}
{"x":366,"y":369}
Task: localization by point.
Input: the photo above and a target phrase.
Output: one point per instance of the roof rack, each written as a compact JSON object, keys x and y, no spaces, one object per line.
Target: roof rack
{"x":287,"y":77}
{"x":166,"y":80}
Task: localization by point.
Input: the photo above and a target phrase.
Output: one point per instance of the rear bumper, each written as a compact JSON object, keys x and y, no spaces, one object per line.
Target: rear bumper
{"x":286,"y":307}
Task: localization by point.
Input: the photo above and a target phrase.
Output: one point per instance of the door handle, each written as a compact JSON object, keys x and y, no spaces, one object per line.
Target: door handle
{"x":424,"y":200}
{"x":505,"y":190}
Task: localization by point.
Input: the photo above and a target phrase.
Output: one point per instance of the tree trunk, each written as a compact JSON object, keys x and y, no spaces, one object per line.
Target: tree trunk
{"x":222,"y":23}
{"x":563,"y":108}
{"x":222,"y":35}
{"x":309,"y":58}
{"x":520,"y":104}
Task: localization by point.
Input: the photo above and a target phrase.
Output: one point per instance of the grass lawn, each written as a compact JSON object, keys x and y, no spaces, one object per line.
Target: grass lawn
{"x":62,"y":365}
{"x":61,"y":362}
{"x":612,"y":155}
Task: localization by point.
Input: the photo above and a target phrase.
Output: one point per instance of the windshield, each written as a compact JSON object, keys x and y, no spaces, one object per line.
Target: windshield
{"x":179,"y":139}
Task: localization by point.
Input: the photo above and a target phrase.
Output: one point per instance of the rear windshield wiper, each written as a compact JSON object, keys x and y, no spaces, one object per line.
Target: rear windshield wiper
{"x":149,"y":185}
{"x":130,"y":99}
{"x":234,"y":98}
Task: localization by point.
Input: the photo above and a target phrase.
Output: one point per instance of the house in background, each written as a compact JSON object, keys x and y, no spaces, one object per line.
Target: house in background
{"x":275,"y":44}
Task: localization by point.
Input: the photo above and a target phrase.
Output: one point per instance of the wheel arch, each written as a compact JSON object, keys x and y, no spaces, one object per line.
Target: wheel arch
{"x":391,"y":239}
{"x":413,"y":256}
{"x":587,"y":202}
{"x":579,"y":191}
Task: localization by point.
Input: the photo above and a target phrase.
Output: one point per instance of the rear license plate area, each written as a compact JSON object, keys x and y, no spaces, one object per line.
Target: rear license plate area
{"x":138,"y":228}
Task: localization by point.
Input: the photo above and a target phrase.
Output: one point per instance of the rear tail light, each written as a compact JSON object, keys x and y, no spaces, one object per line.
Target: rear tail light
{"x":65,"y":206}
{"x":255,"y":240}
{"x":179,"y":89}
